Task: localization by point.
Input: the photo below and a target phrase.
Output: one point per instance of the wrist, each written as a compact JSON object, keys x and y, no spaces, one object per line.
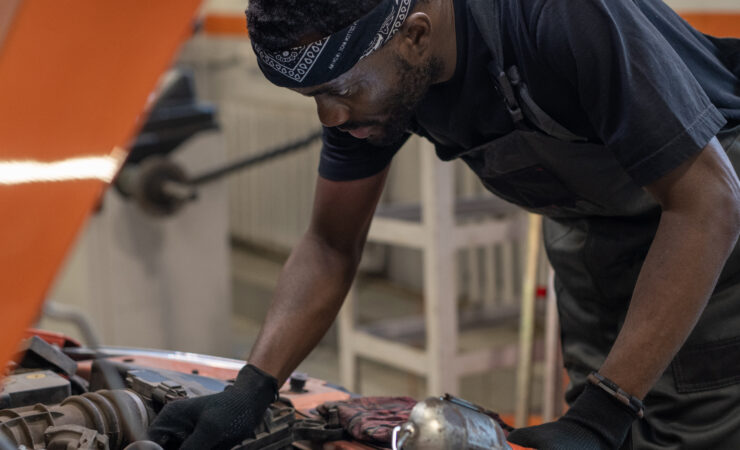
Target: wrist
{"x":596,"y":420}
{"x":597,"y":412}
{"x":597,"y":403}
{"x":633,"y":403}
{"x":254,"y":378}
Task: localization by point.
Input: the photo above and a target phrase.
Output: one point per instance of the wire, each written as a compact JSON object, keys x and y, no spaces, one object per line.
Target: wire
{"x":255,"y":159}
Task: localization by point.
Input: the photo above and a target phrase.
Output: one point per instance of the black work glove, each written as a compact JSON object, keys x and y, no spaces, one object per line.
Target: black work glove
{"x":596,"y":421}
{"x":216,"y":421}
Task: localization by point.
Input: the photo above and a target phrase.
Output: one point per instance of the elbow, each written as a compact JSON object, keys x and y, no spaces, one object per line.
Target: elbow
{"x":725,"y":211}
{"x":342,"y":259}
{"x":728,"y":189}
{"x":733,"y":219}
{"x":731,"y":202}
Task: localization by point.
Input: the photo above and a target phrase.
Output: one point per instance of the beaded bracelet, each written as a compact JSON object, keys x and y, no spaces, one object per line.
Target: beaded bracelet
{"x":615,"y":391}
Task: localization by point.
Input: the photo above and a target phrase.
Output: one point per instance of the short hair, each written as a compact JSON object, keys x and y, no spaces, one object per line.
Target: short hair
{"x":282,"y":24}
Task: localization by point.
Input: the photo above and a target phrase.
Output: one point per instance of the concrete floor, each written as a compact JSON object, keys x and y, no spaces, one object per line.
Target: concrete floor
{"x":254,"y":278}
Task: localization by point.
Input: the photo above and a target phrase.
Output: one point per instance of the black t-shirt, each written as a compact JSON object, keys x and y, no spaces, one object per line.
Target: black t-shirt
{"x":629,"y":74}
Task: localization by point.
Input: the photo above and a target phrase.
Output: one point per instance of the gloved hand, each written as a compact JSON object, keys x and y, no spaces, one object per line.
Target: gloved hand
{"x":595,"y":421}
{"x":217,"y":421}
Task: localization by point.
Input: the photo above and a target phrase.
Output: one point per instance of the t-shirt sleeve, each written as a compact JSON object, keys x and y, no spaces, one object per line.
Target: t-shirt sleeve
{"x":346,"y":158}
{"x":642,"y":100}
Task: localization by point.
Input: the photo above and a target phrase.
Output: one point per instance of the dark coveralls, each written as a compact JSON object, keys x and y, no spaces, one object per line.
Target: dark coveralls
{"x":599,"y":224}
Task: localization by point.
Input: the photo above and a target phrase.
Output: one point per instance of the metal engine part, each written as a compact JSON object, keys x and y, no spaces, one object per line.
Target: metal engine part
{"x":29,"y":388}
{"x":96,"y":420}
{"x":448,"y":423}
{"x":280,"y":428}
{"x":40,"y":414}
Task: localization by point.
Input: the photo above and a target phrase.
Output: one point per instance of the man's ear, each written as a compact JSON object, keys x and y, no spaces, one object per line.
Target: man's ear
{"x":415,"y":37}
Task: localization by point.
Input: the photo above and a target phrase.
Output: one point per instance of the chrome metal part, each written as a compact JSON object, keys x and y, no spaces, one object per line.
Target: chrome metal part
{"x":449,"y":424}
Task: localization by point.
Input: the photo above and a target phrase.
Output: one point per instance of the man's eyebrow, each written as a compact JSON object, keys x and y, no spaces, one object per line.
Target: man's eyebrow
{"x":318,"y":91}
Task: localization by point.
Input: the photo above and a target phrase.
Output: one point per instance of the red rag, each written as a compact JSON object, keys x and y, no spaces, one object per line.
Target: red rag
{"x":371,"y":419}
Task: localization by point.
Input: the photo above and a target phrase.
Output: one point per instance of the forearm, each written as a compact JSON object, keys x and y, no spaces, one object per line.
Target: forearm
{"x":309,"y":294}
{"x":677,"y":278}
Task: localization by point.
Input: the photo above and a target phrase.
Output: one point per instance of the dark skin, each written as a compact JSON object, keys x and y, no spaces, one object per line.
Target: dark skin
{"x":699,"y":227}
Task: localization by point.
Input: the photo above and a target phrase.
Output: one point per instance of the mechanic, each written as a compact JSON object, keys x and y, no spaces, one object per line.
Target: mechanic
{"x":614,"y":119}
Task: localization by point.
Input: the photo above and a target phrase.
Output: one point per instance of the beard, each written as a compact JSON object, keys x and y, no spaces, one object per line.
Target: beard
{"x":413,"y":84}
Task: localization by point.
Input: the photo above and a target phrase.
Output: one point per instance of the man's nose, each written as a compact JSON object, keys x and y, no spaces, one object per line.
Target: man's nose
{"x":332,"y":113}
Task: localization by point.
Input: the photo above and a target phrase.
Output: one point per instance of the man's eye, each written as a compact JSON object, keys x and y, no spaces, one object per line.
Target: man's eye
{"x":345,"y":92}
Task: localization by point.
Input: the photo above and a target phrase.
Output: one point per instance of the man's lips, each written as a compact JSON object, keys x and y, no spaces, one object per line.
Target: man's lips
{"x":361,"y":133}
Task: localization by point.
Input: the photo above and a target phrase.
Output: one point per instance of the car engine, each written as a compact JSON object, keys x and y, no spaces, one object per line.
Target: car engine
{"x":70,"y":397}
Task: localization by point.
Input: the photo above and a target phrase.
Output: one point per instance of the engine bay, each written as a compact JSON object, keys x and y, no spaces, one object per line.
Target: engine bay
{"x":58,"y":395}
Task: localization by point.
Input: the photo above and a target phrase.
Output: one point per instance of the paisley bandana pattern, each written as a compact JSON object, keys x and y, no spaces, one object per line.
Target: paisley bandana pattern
{"x":326,"y":59}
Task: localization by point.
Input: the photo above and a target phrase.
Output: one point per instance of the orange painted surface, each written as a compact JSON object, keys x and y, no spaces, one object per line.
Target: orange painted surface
{"x":225,"y":24}
{"x":532,"y":420}
{"x":717,"y":24}
{"x":74,"y":81}
{"x":318,"y":393}
{"x":722,"y":24}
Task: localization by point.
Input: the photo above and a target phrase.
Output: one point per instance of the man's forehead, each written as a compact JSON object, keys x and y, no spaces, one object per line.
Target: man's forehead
{"x":327,"y":87}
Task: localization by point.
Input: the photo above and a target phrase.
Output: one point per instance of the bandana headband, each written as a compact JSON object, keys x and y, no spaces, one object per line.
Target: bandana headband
{"x":326,"y":59}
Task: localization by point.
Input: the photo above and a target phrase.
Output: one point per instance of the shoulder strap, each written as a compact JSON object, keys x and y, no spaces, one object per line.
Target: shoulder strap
{"x":487,"y":15}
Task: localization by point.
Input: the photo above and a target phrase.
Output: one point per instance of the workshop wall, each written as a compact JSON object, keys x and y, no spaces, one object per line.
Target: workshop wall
{"x":152,"y":281}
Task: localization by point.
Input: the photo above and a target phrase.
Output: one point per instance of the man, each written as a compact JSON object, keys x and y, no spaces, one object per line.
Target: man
{"x":613,"y":118}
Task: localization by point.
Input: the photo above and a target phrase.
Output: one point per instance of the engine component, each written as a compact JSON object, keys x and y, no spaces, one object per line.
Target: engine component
{"x":163,"y":386}
{"x":144,"y":382}
{"x":74,"y":436}
{"x":39,"y":354}
{"x":24,"y":389}
{"x":448,"y":423}
{"x":280,"y":428}
{"x":110,"y":418}
{"x":99,"y":420}
{"x":298,"y":382}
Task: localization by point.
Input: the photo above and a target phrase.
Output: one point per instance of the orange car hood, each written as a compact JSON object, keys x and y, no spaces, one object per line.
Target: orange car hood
{"x":75,"y":79}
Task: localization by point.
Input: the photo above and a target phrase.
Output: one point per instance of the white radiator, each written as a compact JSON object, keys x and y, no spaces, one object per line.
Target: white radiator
{"x":270,"y":203}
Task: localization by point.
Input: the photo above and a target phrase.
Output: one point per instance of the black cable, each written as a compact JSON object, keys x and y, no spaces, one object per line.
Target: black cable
{"x":255,"y":159}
